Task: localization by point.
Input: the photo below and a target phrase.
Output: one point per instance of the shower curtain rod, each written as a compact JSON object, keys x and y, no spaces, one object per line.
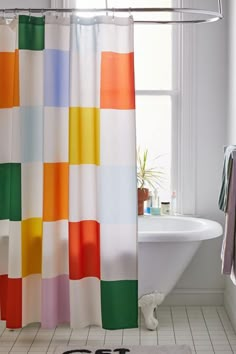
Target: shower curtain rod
{"x":213,"y":16}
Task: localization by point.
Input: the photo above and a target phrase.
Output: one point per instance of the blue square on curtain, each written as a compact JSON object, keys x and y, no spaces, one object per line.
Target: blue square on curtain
{"x":31,"y":134}
{"x":56,"y":78}
{"x":120,"y":183}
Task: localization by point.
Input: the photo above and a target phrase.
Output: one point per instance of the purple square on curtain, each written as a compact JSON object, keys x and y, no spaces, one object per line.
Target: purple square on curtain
{"x":55,"y":301}
{"x":56,"y":78}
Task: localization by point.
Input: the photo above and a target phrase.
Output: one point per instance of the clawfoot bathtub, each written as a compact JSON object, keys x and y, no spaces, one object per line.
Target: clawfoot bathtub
{"x":167,"y":244}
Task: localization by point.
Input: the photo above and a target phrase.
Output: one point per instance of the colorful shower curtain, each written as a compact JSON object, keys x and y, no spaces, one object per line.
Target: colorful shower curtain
{"x":67,"y":172}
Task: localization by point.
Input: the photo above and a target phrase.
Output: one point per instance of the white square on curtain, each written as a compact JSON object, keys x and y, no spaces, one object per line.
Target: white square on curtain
{"x":5,"y":135}
{"x":118,"y":252}
{"x":84,"y":67}
{"x":83,"y":192}
{"x":88,"y":309}
{"x":32,"y":190}
{"x":15,"y":265}
{"x":31,"y":74}
{"x":16,"y":140}
{"x":122,"y":34}
{"x":31,"y":299}
{"x":55,"y":249}
{"x":4,"y":244}
{"x":57,"y":36}
{"x":117,"y":123}
{"x":56,"y":125}
{"x":8,"y":35}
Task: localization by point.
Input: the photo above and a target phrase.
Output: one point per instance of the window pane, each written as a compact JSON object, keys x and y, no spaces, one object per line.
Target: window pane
{"x":153,"y":119}
{"x":153,"y":57}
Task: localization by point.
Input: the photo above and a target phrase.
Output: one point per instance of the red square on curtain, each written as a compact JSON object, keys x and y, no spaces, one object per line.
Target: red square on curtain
{"x":14,"y":303}
{"x":84,"y":249}
{"x":3,"y":296}
{"x":117,"y":81}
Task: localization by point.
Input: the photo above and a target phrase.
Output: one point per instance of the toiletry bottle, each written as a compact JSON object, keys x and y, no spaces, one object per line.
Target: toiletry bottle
{"x":155,"y":209}
{"x":149,"y":203}
{"x":173,"y":204}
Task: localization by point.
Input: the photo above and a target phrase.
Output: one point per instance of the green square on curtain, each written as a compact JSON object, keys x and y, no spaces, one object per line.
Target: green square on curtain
{"x":119,"y":308}
{"x":15,"y":190}
{"x":31,"y":32}
{"x":10,"y":191}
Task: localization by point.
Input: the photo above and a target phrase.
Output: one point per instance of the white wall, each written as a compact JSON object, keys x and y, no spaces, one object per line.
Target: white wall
{"x":230,"y":292}
{"x":202,"y":282}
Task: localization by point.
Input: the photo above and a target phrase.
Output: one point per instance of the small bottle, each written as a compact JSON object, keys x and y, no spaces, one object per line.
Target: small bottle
{"x":155,"y":209}
{"x":149,"y":203}
{"x":165,"y":208}
{"x":173,"y":204}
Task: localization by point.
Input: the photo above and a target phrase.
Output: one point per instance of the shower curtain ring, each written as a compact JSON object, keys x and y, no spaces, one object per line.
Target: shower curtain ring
{"x":130,"y":13}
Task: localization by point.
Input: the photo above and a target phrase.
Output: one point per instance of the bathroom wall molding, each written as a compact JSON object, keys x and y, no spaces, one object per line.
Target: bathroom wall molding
{"x":195,"y":297}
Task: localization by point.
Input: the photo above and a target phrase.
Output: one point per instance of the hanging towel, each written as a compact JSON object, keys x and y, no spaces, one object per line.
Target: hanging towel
{"x":227,"y":203}
{"x":227,"y":167}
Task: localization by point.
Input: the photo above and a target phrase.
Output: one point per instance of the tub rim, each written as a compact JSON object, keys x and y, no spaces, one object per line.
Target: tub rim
{"x":209,"y":229}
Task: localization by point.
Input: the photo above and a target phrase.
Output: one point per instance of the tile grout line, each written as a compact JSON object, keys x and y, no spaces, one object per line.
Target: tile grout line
{"x":33,"y":339}
{"x":139,"y":324}
{"x":51,"y":340}
{"x":229,"y":320}
{"x":207,"y":329}
{"x":224,"y":330}
{"x":2,"y":330}
{"x":189,"y":324}
{"x":69,"y":336}
{"x":15,"y":338}
{"x":157,"y":326}
{"x":105,"y":336}
{"x":88,"y":336}
{"x":172,"y":320}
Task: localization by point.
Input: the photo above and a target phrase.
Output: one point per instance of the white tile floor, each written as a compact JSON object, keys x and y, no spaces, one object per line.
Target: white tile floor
{"x":205,"y":329}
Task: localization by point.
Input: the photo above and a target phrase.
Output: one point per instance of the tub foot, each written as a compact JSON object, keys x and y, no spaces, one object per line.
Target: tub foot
{"x":148,"y":304}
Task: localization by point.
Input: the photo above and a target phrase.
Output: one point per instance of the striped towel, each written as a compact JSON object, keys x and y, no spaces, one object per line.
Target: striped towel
{"x":227,"y":168}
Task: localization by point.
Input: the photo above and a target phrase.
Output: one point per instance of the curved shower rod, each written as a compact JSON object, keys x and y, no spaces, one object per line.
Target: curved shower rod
{"x":213,"y":16}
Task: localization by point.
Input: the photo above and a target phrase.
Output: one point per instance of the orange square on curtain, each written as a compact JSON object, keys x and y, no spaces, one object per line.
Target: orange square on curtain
{"x":84,"y":249}
{"x":117,"y":80}
{"x":55,"y":191}
{"x":9,"y":82}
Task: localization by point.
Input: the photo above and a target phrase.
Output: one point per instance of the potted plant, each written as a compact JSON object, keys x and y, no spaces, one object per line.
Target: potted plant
{"x":148,"y":178}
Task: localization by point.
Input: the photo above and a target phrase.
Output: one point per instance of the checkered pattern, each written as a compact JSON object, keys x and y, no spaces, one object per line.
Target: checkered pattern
{"x":67,"y":172}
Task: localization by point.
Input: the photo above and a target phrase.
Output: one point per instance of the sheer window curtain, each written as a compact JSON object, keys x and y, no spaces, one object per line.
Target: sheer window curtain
{"x":68,"y":250}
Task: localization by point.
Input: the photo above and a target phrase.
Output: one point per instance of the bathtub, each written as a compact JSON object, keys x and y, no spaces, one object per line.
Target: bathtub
{"x":166,"y":245}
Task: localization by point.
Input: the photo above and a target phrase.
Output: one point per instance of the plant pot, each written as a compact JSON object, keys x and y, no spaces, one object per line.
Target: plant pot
{"x":142,"y":196}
